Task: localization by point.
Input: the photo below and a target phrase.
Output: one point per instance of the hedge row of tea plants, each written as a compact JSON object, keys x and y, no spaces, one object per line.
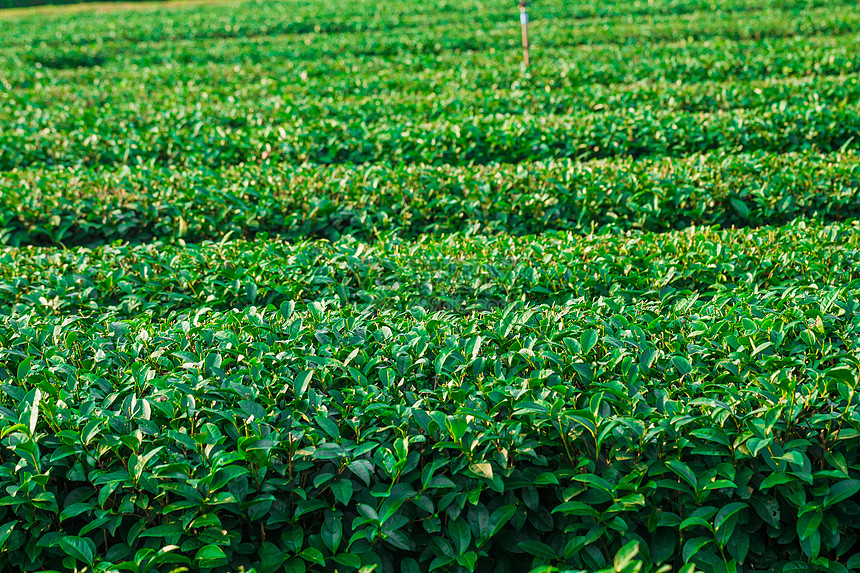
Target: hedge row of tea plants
{"x":398,"y":100}
{"x":593,"y":24}
{"x":234,"y":136}
{"x":256,"y":83}
{"x":462,"y":274}
{"x":817,"y":68}
{"x":86,"y":207}
{"x":718,"y":432}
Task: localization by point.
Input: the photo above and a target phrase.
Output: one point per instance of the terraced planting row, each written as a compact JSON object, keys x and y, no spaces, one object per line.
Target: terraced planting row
{"x":459,"y":274}
{"x":87,"y":206}
{"x":212,"y":22}
{"x":720,"y":59}
{"x":525,"y":435}
{"x":214,"y":141}
{"x":340,"y":287}
{"x":702,"y":97}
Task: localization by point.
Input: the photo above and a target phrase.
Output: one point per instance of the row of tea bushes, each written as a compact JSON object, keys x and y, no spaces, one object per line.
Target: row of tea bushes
{"x":460,"y":273}
{"x":719,"y":433}
{"x":90,"y":207}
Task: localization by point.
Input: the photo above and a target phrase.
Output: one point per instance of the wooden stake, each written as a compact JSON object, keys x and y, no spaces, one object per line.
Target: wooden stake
{"x":524,"y":25}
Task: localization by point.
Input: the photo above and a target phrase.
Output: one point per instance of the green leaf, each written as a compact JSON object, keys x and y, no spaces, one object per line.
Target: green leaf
{"x":587,"y":340}
{"x":409,"y":565}
{"x":342,"y":294}
{"x":537,"y":549}
{"x":296,"y":565}
{"x":776,"y":478}
{"x":530,"y":408}
{"x":468,"y":560}
{"x":483,"y":469}
{"x":693,"y":546}
{"x":739,"y":545}
{"x":844,"y":373}
{"x":808,"y":523}
{"x":500,"y":517}
{"x":811,"y":545}
{"x":81,"y":548}
{"x":664,"y":544}
{"x":399,"y":539}
{"x":251,"y":292}
{"x":712,"y":435}
{"x":5,"y":531}
{"x":34,"y":410}
{"x":727,"y":511}
{"x":331,"y":532}
{"x":584,"y":370}
{"x":287,"y":309}
{"x":250,"y":408}
{"x":392,"y":503}
{"x":75,"y":509}
{"x":755,"y":445}
{"x":694,"y":521}
{"x":684,"y":472}
{"x":387,"y":377}
{"x":348,"y":560}
{"x":302,"y":381}
{"x":460,"y":534}
{"x":212,"y":363}
{"x":473,"y":347}
{"x":682,"y":364}
{"x":841,"y":491}
{"x":648,"y":356}
{"x":362,"y":469}
{"x":313,"y":555}
{"x":438,"y":562}
{"x":12,"y":429}
{"x":165,"y":530}
{"x":342,"y":490}
{"x":225,"y":475}
{"x":576,"y":508}
{"x":328,"y":426}
{"x":24,"y":368}
{"x":596,"y":481}
{"x":210,"y":556}
{"x":740,"y":207}
{"x":626,"y":554}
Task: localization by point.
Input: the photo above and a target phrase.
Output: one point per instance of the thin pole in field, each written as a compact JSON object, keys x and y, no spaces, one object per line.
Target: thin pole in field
{"x":524,"y":25}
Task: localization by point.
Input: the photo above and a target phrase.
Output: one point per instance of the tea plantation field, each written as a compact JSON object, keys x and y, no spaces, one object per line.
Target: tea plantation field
{"x":336,"y":285}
